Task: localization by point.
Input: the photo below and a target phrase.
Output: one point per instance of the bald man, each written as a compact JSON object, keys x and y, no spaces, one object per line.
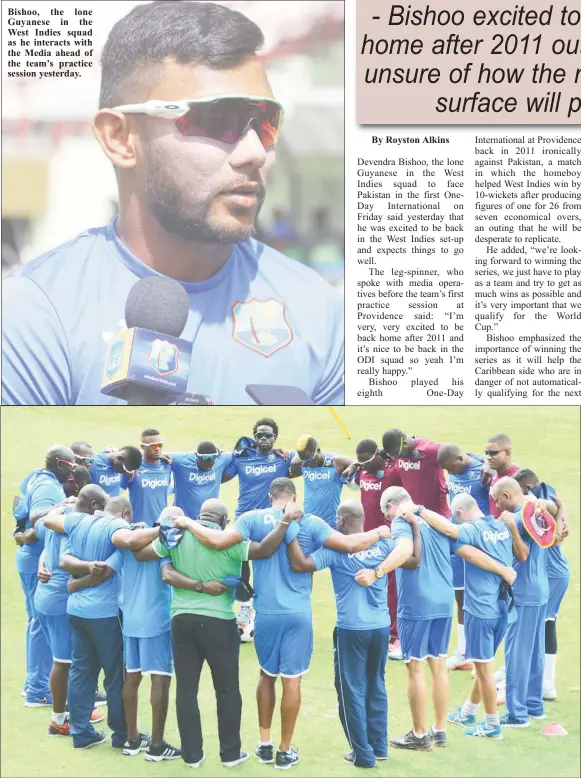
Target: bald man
{"x":361,"y":635}
{"x":40,"y":491}
{"x":525,"y":637}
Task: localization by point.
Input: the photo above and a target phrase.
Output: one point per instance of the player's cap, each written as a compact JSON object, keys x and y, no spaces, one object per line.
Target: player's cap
{"x":540,"y":525}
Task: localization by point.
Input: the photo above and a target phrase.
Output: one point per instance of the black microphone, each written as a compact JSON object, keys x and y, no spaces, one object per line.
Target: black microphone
{"x":147,"y":363}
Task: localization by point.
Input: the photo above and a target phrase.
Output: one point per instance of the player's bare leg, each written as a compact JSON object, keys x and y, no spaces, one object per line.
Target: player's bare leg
{"x":289,"y":709}
{"x":159,"y":699}
{"x":130,"y":692}
{"x":265,"y":700}
{"x":418,"y":696}
{"x":440,"y":691}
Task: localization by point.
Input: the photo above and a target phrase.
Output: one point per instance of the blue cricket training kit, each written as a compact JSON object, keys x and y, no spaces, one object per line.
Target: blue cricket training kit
{"x":558,"y":569}
{"x":40,"y":490}
{"x":485,"y":614}
{"x":97,"y":641}
{"x":194,"y":486}
{"x":102,"y":474}
{"x":246,"y":324}
{"x":360,"y":640}
{"x":283,"y":629}
{"x":50,"y":599}
{"x":255,"y":474}
{"x":148,"y":491}
{"x":525,"y":637}
{"x":323,"y":486}
{"x":425,"y":595}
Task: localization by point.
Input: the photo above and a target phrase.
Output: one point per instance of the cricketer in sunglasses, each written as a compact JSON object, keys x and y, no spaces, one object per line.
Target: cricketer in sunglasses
{"x":188,"y":120}
{"x":198,"y":475}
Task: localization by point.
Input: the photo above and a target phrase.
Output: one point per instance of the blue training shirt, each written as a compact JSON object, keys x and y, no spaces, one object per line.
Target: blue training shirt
{"x":146,"y":598}
{"x":90,"y":540}
{"x":427,"y":591}
{"x":482,"y":588}
{"x":277,"y":588}
{"x":40,"y":490}
{"x":532,"y":584}
{"x":255,"y":474}
{"x":194,"y":486}
{"x":148,"y":491}
{"x":358,"y":607}
{"x":323,"y":487}
{"x":102,"y":474}
{"x":469,"y":482}
{"x":50,"y":597}
{"x":557,"y":562}
{"x":247,"y":324}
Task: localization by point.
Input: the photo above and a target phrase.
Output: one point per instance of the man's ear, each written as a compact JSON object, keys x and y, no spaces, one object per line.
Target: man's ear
{"x":294,"y":498}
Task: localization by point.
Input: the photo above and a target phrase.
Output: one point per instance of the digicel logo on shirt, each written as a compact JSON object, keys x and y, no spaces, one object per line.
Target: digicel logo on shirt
{"x":202,"y":479}
{"x":370,"y":553}
{"x":458,"y":488}
{"x":324,"y":476}
{"x":405,"y":464}
{"x":108,"y":480}
{"x":259,"y":469}
{"x":495,"y":537}
{"x":370,"y":485}
{"x":153,"y":483}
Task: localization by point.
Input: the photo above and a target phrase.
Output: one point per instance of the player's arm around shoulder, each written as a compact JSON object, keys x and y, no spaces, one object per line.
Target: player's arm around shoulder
{"x":211,"y":538}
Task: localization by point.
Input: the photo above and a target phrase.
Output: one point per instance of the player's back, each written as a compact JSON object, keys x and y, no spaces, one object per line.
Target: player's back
{"x":51,"y":596}
{"x":323,"y":486}
{"x":532,"y":582}
{"x":146,"y":598}
{"x":427,"y":591}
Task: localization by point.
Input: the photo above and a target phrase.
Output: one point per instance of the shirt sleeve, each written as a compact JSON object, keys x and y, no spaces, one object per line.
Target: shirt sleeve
{"x":324,"y":557}
{"x":226,"y":459}
{"x":292,"y":532}
{"x":239,"y":551}
{"x":160,"y":550}
{"x":115,"y":561}
{"x":46,"y":495}
{"x":232,"y":468}
{"x":467,"y":533}
{"x":70,"y":522}
{"x":330,"y":390}
{"x":125,"y":483}
{"x":40,"y":529}
{"x":36,"y":367}
{"x":116,"y":525}
{"x":245,"y":525}
{"x":401,"y":529}
{"x":166,"y":560}
{"x":320,"y":532}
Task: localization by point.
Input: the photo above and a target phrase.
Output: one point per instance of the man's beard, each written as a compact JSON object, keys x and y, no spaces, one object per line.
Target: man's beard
{"x":168,"y":203}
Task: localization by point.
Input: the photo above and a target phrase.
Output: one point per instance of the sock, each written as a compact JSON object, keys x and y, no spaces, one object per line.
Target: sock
{"x":265,"y":743}
{"x":549,"y":674}
{"x":59,"y":718}
{"x":469,"y":708}
{"x":492,"y":720}
{"x":419,"y":736}
{"x":461,"y":639}
{"x":434,"y":729}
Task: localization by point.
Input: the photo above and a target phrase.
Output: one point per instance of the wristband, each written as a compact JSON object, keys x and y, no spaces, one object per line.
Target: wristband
{"x":284,"y":522}
{"x":418,"y":510}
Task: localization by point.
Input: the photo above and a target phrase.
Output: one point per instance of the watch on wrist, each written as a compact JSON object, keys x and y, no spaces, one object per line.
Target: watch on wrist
{"x":418,"y":510}
{"x":378,"y":572}
{"x":199,"y":587}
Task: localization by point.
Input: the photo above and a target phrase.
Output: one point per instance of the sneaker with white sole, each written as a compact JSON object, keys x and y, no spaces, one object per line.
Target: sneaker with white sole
{"x":550,"y":695}
{"x":38,"y":702}
{"x":265,"y":754}
{"x":458,"y":661}
{"x":394,"y":651}
{"x":135,"y":747}
{"x":196,"y":764}
{"x":509,"y":721}
{"x":286,"y":759}
{"x":457,"y":718}
{"x":483,"y":730}
{"x":538,"y":716}
{"x":233,"y":762}
{"x":99,"y":739}
{"x":162,"y":753}
{"x":100,"y":698}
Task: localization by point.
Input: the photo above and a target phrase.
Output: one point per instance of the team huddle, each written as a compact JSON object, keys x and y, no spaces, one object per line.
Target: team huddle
{"x":136,"y":586}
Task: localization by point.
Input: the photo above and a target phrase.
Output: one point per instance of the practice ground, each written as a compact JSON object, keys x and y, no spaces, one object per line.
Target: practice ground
{"x":545,"y":439}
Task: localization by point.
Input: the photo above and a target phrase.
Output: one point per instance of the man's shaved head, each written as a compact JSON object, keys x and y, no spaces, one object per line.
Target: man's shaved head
{"x":171,"y":512}
{"x":214,"y":510}
{"x":447,"y":454}
{"x":120,"y":507}
{"x":91,"y":498}
{"x":59,"y":461}
{"x":507,"y":494}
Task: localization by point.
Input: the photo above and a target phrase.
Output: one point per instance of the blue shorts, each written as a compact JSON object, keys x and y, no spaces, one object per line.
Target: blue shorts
{"x":424,"y":638}
{"x":57,"y":631}
{"x":284,"y":643}
{"x":483,"y":637}
{"x":557,"y":589}
{"x":149,"y":656}
{"x":457,"y":572}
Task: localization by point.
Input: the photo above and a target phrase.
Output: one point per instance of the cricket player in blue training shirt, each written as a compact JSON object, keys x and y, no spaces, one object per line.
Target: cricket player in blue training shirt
{"x":525,"y":637}
{"x":464,"y":477}
{"x":50,"y":602}
{"x":192,"y":149}
{"x":323,"y":476}
{"x":424,"y":613}
{"x":198,"y":476}
{"x":284,"y":629}
{"x":486,"y":607}
{"x":40,"y":491}
{"x":361,"y":635}
{"x":559,"y":575}
{"x":93,"y":611}
{"x":108,"y":467}
{"x":148,"y":486}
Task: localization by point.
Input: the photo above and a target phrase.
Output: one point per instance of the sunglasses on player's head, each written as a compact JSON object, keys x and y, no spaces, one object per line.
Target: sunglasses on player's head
{"x":66,"y":462}
{"x":85,"y":461}
{"x":263,"y":435}
{"x":491,"y":453}
{"x":306,"y":461}
{"x":207,"y":457}
{"x":367,"y":461}
{"x":225,"y":118}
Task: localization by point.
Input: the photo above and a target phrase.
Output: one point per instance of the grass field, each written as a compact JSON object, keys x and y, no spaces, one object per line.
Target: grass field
{"x":545,"y":439}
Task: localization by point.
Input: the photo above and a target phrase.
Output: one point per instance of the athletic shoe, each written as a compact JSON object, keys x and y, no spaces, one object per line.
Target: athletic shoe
{"x":500,"y":676}
{"x":134,"y":747}
{"x":162,"y":752}
{"x":242,"y":758}
{"x":458,"y":661}
{"x":382,"y":758}
{"x":438,"y":738}
{"x":100,"y":698}
{"x":550,"y":695}
{"x":412,"y":743}
{"x":198,"y":763}
{"x":100,"y":737}
{"x":264,"y":754}
{"x":509,"y":721}
{"x":538,"y":717}
{"x":483,"y":730}
{"x":394,"y":650}
{"x":23,"y":693}
{"x":59,"y":729}
{"x":349,"y":757}
{"x":286,"y":759}
{"x":97,"y":716}
{"x":38,"y":702}
{"x":244,"y":616}
{"x":458,"y":718}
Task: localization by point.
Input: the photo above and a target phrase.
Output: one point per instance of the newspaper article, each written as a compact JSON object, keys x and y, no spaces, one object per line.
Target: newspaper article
{"x":464,"y":272}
